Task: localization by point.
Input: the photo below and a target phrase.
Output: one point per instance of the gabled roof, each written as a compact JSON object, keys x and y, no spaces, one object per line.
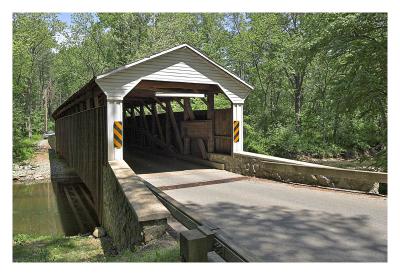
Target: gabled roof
{"x":171,"y":50}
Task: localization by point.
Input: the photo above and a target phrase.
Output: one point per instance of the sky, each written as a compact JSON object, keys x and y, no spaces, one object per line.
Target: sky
{"x":65,"y":17}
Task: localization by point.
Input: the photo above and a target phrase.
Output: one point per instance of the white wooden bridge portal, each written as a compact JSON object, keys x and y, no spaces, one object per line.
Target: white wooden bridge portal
{"x":120,"y":118}
{"x":139,"y":98}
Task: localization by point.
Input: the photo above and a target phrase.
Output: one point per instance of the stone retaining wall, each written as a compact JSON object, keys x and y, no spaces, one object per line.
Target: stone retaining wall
{"x":52,"y":141}
{"x":131,"y":213}
{"x":254,"y":165}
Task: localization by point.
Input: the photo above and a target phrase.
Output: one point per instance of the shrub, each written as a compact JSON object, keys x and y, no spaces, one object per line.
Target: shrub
{"x":24,"y":148}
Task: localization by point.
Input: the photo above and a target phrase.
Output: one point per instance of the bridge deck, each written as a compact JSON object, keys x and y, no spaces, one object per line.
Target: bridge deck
{"x":276,"y":221}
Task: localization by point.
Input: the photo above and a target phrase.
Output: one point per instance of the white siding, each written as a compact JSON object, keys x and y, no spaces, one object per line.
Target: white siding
{"x":182,"y":65}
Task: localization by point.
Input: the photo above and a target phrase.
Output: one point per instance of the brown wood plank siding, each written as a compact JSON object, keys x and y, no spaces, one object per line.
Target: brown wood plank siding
{"x":222,"y":136}
{"x":223,"y":131}
{"x":81,"y":141}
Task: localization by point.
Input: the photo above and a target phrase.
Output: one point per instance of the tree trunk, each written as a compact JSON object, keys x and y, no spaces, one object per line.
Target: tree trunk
{"x":298,"y":98}
{"x":45,"y":109}
{"x":29,"y":110}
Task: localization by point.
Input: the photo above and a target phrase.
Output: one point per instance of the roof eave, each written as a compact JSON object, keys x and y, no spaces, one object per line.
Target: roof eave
{"x":73,"y":96}
{"x":171,"y":50}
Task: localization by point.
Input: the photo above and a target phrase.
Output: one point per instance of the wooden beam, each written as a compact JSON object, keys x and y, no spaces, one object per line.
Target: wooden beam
{"x":174,"y":127}
{"x":188,"y":108}
{"x":186,"y":140}
{"x":167,"y":129}
{"x":145,"y":125}
{"x":210,"y":116}
{"x":155,"y":114}
{"x":88,"y":103}
{"x":96,"y":101}
{"x":137,"y":110}
{"x":128,"y":110}
{"x":185,"y":113}
{"x":174,"y":94}
{"x":135,"y":125}
{"x":205,"y":101}
{"x":160,"y":103}
{"x":78,"y":100}
{"x":200,"y":142}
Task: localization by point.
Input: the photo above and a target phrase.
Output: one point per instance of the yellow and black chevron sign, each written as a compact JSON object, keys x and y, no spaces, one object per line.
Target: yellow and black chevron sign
{"x":235,"y":131}
{"x":117,"y":134}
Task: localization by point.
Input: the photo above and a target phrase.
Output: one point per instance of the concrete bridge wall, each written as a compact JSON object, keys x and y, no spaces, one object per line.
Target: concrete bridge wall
{"x":131,"y":213}
{"x":261,"y":166}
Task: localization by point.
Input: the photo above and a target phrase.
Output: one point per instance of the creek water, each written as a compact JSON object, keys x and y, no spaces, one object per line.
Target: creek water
{"x":40,"y":208}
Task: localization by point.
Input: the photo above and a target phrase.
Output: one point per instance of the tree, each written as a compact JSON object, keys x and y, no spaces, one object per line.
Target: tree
{"x":320,"y":79}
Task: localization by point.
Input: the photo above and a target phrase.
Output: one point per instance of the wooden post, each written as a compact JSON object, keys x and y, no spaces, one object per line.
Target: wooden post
{"x":88,"y":103}
{"x":186,"y":116}
{"x":96,"y":101}
{"x":153,"y":126}
{"x":135,"y":125}
{"x":152,"y":132}
{"x":175,"y":127}
{"x":167,"y":129}
{"x":161,"y":105}
{"x":145,"y":125}
{"x":155,"y":114}
{"x":210,"y":116}
{"x":188,"y":109}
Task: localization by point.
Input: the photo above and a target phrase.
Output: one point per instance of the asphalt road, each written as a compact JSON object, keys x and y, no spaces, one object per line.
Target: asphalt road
{"x":277,"y":222}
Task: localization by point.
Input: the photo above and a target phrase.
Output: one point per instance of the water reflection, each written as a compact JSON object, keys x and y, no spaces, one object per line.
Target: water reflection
{"x":39,"y":209}
{"x":61,"y":206}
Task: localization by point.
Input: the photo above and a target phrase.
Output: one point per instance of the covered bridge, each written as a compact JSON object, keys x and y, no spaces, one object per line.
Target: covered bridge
{"x":132,"y":106}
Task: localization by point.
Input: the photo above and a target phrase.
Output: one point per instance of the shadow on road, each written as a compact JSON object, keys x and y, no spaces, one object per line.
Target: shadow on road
{"x":279,"y":234}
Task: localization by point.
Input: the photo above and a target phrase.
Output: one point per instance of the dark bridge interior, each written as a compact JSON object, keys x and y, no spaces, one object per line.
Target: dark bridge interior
{"x":152,"y":120}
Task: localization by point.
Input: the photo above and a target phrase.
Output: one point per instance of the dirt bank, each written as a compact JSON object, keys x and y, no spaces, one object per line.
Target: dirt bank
{"x":37,"y":168}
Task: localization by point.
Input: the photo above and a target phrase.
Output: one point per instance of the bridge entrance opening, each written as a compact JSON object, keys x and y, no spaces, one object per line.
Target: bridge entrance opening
{"x":176,"y":118}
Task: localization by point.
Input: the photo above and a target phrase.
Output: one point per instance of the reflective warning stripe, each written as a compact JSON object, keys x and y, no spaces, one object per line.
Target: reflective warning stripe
{"x":236,"y":131}
{"x":117,"y":134}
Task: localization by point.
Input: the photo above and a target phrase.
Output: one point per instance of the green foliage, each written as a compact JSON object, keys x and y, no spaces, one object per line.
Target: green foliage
{"x":286,"y":142}
{"x":320,"y":79}
{"x":24,"y":148}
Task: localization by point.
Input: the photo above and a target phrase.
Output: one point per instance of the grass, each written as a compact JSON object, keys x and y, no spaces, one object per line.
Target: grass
{"x":29,"y":248}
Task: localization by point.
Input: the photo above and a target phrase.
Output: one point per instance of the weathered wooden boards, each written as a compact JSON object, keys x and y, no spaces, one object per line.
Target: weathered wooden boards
{"x":195,"y":131}
{"x":89,"y":96}
{"x":223,"y":131}
{"x":81,"y":141}
{"x":188,"y":132}
{"x":174,"y":126}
